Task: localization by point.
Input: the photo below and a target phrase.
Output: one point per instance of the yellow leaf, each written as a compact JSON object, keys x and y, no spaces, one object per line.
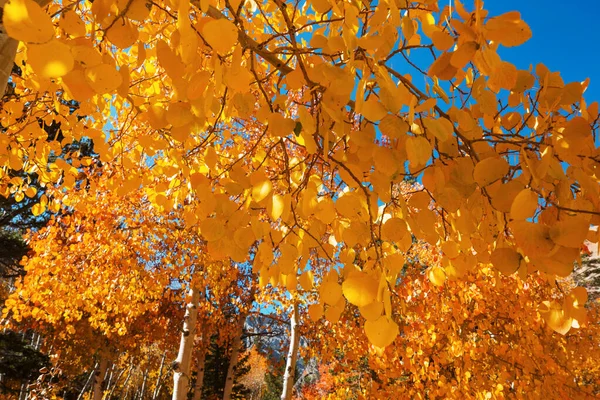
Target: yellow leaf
{"x":38,"y":209}
{"x":555,"y":317}
{"x":508,"y":29}
{"x":306,"y":280}
{"x":261,"y":189}
{"x":360,"y":288}
{"x":490,"y":170}
{"x":463,"y":54}
{"x":221,"y":35}
{"x":524,"y":205}
{"x":279,"y":125}
{"x":394,"y":229}
{"x":50,"y":60}
{"x":506,"y":260}
{"x":330,"y":292}
{"x":442,"y":40}
{"x":532,"y":238}
{"x":72,"y":24}
{"x":123,"y":33}
{"x":315,"y":312}
{"x":418,"y":150}
{"x":381,"y":332}
{"x":26,"y":21}
{"x":373,"y":110}
{"x":437,"y":276}
{"x":570,"y":232}
{"x":103,"y":78}
{"x":372,"y":311}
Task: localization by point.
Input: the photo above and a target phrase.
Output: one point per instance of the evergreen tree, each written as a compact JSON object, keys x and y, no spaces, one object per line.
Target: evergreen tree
{"x":215,"y":371}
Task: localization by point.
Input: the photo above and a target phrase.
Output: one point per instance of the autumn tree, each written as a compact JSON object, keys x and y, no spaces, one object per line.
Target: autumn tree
{"x":308,"y":139}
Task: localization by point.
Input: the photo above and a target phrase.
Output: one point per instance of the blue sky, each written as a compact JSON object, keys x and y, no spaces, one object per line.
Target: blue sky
{"x":565,"y":38}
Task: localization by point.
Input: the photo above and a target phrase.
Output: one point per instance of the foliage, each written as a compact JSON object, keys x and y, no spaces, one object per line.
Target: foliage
{"x":378,"y":163}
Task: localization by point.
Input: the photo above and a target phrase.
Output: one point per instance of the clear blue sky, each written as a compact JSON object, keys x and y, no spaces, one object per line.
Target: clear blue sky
{"x":565,"y":38}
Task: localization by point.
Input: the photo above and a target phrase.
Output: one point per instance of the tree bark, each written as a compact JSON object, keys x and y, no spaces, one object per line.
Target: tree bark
{"x":200,"y":373}
{"x":143,"y":388}
{"x":87,"y":382}
{"x":181,"y":369}
{"x":235,"y":350}
{"x":99,"y":376}
{"x":112,"y":385}
{"x":290,"y":364}
{"x":158,"y":379}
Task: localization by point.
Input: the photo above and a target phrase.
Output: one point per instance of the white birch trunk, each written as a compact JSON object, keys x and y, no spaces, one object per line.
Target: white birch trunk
{"x":158,"y":379}
{"x":290,"y":364}
{"x":143,"y":389}
{"x":87,"y":382}
{"x":235,"y":350}
{"x":99,"y":377}
{"x":200,"y":373}
{"x":181,"y":375}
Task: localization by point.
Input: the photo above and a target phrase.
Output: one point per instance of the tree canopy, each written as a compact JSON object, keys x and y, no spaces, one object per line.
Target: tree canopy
{"x":372,"y":174}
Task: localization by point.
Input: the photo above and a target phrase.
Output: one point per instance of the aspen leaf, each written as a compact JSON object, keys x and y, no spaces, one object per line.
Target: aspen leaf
{"x":221,"y":34}
{"x":261,"y":189}
{"x":442,"y":40}
{"x":508,"y":29}
{"x":26,"y":21}
{"x":532,"y":238}
{"x":394,"y":229}
{"x":103,"y":78}
{"x":277,"y":206}
{"x":360,"y":288}
{"x":463,"y":54}
{"x":382,"y":332}
{"x":315,"y":312}
{"x":524,"y":205}
{"x":123,"y":33}
{"x":279,"y":125}
{"x":50,"y":60}
{"x":441,"y":128}
{"x":442,"y":68}
{"x":506,"y":260}
{"x":38,"y":209}
{"x":212,"y":229}
{"x":72,"y":24}
{"x":418,"y":150}
{"x":555,"y":317}
{"x":330,"y":292}
{"x":373,"y":110}
{"x":490,"y":170}
{"x":334,"y":312}
{"x":437,"y":276}
{"x":306,"y":280}
{"x":372,"y":311}
{"x":570,"y":232}
{"x":393,"y":126}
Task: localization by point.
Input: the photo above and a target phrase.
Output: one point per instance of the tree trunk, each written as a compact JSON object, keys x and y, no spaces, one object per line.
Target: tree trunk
{"x":143,"y":389}
{"x":290,"y":364}
{"x":181,"y":369}
{"x":235,"y":350}
{"x":112,"y":385}
{"x":99,"y":376}
{"x":200,"y":373}
{"x":158,"y":379}
{"x":87,"y":382}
